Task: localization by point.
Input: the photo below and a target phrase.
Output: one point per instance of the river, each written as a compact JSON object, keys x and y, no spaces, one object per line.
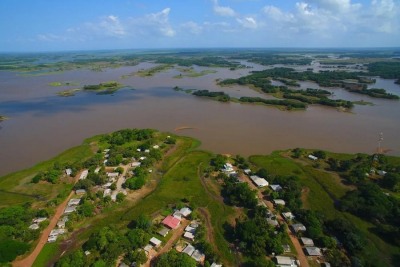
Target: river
{"x":42,"y":124}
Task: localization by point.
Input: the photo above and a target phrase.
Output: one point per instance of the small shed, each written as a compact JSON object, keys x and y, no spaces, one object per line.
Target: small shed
{"x":288,"y":216}
{"x":185,"y":211}
{"x":298,"y":227}
{"x":74,"y":201}
{"x":188,"y":235}
{"x":279,"y":202}
{"x":70,"y":209}
{"x":198,"y":256}
{"x":155,"y":242}
{"x":312,"y":157}
{"x":80,"y":192}
{"x":163,"y":232}
{"x":189,"y":249}
{"x":313,"y":251}
{"x":34,"y":226}
{"x":308,"y":242}
{"x":276,"y":187}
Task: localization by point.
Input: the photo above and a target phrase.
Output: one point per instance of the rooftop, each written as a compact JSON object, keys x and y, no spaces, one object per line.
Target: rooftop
{"x":171,"y":222}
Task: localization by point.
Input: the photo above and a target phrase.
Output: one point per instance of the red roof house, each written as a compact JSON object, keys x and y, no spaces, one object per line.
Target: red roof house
{"x":171,"y":222}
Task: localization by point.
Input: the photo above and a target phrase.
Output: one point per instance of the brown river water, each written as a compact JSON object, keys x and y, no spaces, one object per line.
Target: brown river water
{"x":42,"y":124}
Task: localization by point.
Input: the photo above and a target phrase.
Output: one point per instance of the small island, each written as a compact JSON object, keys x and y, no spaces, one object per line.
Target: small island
{"x":2,"y":118}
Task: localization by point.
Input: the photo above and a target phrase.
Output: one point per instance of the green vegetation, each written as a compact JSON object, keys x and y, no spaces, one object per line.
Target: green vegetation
{"x":219,"y":96}
{"x":375,"y":92}
{"x":152,"y":71}
{"x":209,"y":61}
{"x":272,"y":58}
{"x":56,"y":84}
{"x":386,"y":70}
{"x":351,"y":81}
{"x":2,"y":118}
{"x":190,"y":72}
{"x":66,"y":93}
{"x":105,"y":88}
{"x":48,"y":252}
{"x":331,"y":196}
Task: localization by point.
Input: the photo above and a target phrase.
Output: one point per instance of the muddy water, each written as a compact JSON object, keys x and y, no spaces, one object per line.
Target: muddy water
{"x":42,"y":124}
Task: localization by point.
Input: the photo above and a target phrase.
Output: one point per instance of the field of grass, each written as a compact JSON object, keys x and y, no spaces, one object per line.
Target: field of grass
{"x":16,"y":188}
{"x":47,"y":253}
{"x":324,"y":189}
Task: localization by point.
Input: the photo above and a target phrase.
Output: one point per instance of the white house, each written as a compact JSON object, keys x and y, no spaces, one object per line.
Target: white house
{"x":288,"y":216}
{"x":74,"y":201}
{"x":189,"y":249}
{"x":312,"y":157}
{"x":276,"y":187}
{"x":308,"y":242}
{"x":69,"y":209}
{"x":279,"y":202}
{"x":34,"y":226}
{"x":155,"y":242}
{"x":228,"y":167}
{"x":189,"y":236}
{"x":68,"y":172}
{"x":185,"y":211}
{"x":84,"y":174}
{"x":258,"y":181}
{"x":285,"y":261}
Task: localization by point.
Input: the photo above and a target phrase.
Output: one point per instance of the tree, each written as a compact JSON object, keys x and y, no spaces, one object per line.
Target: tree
{"x":142,"y":222}
{"x":113,"y":186}
{"x":175,"y":259}
{"x":86,"y":209}
{"x":218,"y":162}
{"x":138,"y":256}
{"x":138,"y":238}
{"x":120,"y":197}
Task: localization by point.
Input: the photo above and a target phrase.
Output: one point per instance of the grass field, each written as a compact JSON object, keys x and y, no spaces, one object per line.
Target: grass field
{"x":16,"y":188}
{"x":47,"y":253}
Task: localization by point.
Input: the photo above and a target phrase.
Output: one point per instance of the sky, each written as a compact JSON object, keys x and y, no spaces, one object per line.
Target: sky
{"x":55,"y":25}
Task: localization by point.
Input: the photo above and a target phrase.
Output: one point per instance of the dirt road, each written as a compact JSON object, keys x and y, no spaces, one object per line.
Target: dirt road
{"x":299,"y":250}
{"x":28,"y":261}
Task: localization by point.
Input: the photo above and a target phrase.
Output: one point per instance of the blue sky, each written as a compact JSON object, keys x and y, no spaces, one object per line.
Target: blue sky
{"x":54,"y":25}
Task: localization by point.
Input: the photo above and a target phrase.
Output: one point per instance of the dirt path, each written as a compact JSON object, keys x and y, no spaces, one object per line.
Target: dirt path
{"x":209,"y":228}
{"x":295,"y":241}
{"x":28,"y":261}
{"x":177,"y":233}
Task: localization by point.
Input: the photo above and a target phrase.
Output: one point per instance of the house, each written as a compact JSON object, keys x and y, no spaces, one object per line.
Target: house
{"x":275,"y":187}
{"x":194,"y":224}
{"x":247,"y":171}
{"x":190,"y":229}
{"x":312,"y":157}
{"x":284,"y":261}
{"x":68,"y":172}
{"x":156,"y":146}
{"x":155,"y":242}
{"x":69,"y":209}
{"x":308,"y":242}
{"x":135,"y":164}
{"x":39,"y":220}
{"x":171,"y":222}
{"x":138,"y":150}
{"x":381,"y":173}
{"x":74,"y":201}
{"x":107,"y":185}
{"x":56,"y":232}
{"x":227,"y":167}
{"x":189,"y":235}
{"x":51,"y":239}
{"x":107,"y":192}
{"x":298,"y":227}
{"x":147,"y":151}
{"x":106,"y":150}
{"x":313,"y":251}
{"x":84,"y":174}
{"x":272,"y":222}
{"x":163,"y":232}
{"x":142,"y":158}
{"x":112,"y":174}
{"x":185,"y":211}
{"x":148,"y":248}
{"x":80,"y":192}
{"x":258,"y":181}
{"x":34,"y":226}
{"x":105,"y":161}
{"x":198,"y":256}
{"x":61,"y":224}
{"x":189,"y":249}
{"x":286,"y":248}
{"x":97,"y":170}
{"x":279,"y":202}
{"x":215,"y":265}
{"x":288,"y":216}
{"x":177,"y":215}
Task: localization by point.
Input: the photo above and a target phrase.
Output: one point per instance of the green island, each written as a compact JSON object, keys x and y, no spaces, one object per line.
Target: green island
{"x":123,"y":190}
{"x":293,"y":99}
{"x":351,"y":81}
{"x":151,"y":71}
{"x":190,"y":72}
{"x":3,"y":118}
{"x":56,"y":84}
{"x":69,"y":92}
{"x":104,"y":88}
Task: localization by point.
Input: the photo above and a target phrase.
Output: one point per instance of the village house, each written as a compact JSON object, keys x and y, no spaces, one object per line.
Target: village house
{"x":80,"y":192}
{"x":171,"y":222}
{"x":275,"y":187}
{"x":34,"y":226}
{"x":313,"y":251}
{"x":298,"y":227}
{"x":312,"y":157}
{"x":74,"y":201}
{"x":68,"y":172}
{"x":155,"y":242}
{"x":284,"y":261}
{"x":279,"y":202}
{"x":307,"y":242}
{"x":258,"y":181}
{"x":163,"y":232}
{"x":84,"y":174}
{"x":189,"y":249}
{"x":288,"y":216}
{"x":198,"y":256}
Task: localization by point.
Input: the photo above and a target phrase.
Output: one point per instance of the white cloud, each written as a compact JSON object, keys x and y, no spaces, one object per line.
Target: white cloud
{"x":108,"y":26}
{"x":192,"y":27}
{"x":224,"y":11}
{"x":158,"y":22}
{"x":247,"y":22}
